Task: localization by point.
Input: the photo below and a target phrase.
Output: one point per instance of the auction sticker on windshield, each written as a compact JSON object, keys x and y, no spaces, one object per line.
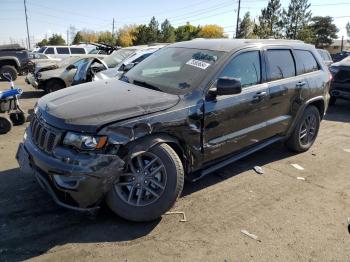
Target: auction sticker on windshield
{"x":197,"y":63}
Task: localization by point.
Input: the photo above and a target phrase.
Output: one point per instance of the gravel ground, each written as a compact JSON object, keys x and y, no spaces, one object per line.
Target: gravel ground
{"x":294,"y":220}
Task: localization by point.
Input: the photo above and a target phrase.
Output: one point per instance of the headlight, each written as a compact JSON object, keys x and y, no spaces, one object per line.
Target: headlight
{"x":84,"y":142}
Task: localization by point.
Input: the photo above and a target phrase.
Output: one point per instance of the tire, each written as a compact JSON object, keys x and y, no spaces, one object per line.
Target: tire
{"x":332,"y":101}
{"x":53,"y":85}
{"x":170,"y":180}
{"x":5,"y":125}
{"x":304,"y":135}
{"x":10,"y":70}
{"x":18,"y":118}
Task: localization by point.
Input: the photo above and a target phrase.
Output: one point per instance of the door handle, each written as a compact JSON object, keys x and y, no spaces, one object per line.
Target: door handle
{"x":259,"y":96}
{"x":301,"y":84}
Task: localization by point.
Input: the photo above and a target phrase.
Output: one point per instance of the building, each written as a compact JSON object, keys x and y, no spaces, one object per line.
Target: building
{"x":336,"y":46}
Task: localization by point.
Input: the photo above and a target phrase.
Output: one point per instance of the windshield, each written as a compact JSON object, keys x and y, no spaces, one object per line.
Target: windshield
{"x":173,"y":70}
{"x":118,"y":56}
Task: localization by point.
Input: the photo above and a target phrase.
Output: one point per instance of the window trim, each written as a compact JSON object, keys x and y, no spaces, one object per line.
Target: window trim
{"x":313,"y":55}
{"x":229,"y":58}
{"x":70,"y":50}
{"x":284,"y":48}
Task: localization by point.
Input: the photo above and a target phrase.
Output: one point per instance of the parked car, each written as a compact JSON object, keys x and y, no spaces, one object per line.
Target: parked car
{"x":186,"y":111}
{"x":80,"y":70}
{"x":340,"y":56}
{"x":340,"y":85}
{"x":62,"y":51}
{"x":13,"y":60}
{"x":52,"y":77}
{"x":326,"y":57}
{"x":87,"y":72}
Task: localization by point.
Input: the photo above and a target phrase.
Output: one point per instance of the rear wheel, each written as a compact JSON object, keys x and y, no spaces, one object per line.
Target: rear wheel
{"x":7,"y":69}
{"x":18,"y":118}
{"x":5,"y":125}
{"x":150,"y":185}
{"x":53,"y":85}
{"x":305,"y":132}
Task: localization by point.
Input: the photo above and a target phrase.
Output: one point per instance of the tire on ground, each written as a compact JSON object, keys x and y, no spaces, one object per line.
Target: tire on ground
{"x":5,"y":125}
{"x":173,"y":189}
{"x":10,"y":70}
{"x":293,"y":142}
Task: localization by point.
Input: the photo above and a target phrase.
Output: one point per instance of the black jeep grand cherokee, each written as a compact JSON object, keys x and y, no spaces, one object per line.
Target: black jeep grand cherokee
{"x":186,"y":111}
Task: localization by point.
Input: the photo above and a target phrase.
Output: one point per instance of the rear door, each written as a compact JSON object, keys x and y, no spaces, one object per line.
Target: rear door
{"x":232,"y":122}
{"x":284,"y":88}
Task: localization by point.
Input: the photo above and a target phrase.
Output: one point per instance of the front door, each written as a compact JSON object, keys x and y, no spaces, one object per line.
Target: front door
{"x":232,"y":122}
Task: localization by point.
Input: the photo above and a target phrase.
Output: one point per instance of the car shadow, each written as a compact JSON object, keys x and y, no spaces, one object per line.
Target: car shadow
{"x":31,"y":223}
{"x":265,"y":156}
{"x":32,"y":94}
{"x":339,"y":112}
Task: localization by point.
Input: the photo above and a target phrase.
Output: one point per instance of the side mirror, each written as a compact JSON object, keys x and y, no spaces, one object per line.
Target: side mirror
{"x":228,"y":86}
{"x":70,"y":67}
{"x":128,"y":67}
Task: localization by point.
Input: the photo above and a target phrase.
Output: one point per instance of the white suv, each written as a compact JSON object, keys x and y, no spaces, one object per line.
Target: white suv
{"x":62,"y":51}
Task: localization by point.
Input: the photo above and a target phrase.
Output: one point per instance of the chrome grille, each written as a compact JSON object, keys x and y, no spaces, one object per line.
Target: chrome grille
{"x":46,"y":138}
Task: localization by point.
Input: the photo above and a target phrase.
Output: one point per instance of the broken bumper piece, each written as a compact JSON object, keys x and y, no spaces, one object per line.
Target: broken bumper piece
{"x":74,"y":180}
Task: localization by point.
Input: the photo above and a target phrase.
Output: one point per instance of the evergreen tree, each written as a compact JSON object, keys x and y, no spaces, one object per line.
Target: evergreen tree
{"x":187,"y":32}
{"x":270,"y":21}
{"x":77,"y":39}
{"x":56,"y":39}
{"x":153,"y":31}
{"x":167,"y":32}
{"x":296,"y":17}
{"x":246,"y":27}
{"x":324,"y":29}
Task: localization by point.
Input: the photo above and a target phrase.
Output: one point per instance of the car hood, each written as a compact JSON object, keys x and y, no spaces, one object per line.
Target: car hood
{"x":89,"y":106}
{"x":51,"y":73}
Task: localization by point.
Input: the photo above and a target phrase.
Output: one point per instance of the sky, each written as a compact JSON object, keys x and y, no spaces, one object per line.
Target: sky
{"x":46,"y":17}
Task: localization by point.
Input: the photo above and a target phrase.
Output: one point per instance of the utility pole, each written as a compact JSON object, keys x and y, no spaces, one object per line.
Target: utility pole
{"x":67,"y":36}
{"x":342,"y":44}
{"x":113,"y":27}
{"x":238,"y":10}
{"x":25,"y":12}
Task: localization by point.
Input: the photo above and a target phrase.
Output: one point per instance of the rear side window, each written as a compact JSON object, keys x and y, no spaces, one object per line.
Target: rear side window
{"x":306,"y":62}
{"x":62,"y":50}
{"x":281,"y":64}
{"x":246,"y":67}
{"x":78,"y":51}
{"x":50,"y":51}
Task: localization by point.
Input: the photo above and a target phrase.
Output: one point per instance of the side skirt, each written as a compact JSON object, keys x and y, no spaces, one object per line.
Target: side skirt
{"x":199,"y":175}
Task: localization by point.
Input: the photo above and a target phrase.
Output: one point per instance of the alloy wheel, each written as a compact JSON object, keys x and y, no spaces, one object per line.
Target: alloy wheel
{"x":144,"y":181}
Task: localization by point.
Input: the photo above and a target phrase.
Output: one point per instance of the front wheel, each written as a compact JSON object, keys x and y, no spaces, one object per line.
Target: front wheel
{"x":150,"y":185}
{"x":306,"y":130}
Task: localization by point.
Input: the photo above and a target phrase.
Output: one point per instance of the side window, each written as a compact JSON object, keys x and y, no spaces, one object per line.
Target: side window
{"x":246,"y":67}
{"x":77,"y":51}
{"x":280,"y":64}
{"x":306,"y":62}
{"x":62,"y":50}
{"x":50,"y":51}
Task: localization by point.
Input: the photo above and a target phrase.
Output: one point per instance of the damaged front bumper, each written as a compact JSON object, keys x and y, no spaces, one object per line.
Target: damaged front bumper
{"x":77,"y":181}
{"x":30,"y":79}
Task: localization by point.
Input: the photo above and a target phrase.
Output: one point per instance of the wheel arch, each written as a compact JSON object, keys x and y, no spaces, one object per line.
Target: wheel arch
{"x":55,"y":79}
{"x":145,"y":143}
{"x":11,"y":61}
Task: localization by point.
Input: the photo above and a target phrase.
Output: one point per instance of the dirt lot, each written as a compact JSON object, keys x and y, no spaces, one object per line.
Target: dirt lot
{"x":295,"y":220}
